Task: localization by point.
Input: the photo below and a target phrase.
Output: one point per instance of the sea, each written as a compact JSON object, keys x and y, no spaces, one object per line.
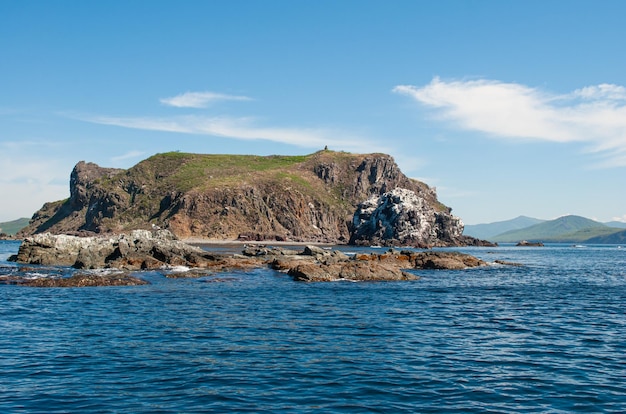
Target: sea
{"x":547,"y":336}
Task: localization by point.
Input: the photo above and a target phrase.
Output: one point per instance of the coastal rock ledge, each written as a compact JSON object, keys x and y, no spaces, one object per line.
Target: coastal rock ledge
{"x":151,"y":250}
{"x":138,"y":250}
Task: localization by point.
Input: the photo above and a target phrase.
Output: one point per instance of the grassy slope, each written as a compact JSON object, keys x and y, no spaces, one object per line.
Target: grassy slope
{"x":12,"y":227}
{"x":584,"y":235}
{"x":619,"y":237}
{"x":174,"y":171}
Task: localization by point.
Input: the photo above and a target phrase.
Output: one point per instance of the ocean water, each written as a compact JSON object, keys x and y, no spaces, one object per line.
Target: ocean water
{"x":549,"y":336}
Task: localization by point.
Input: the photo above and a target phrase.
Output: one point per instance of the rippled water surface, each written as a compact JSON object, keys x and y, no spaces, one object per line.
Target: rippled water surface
{"x":546,"y":337}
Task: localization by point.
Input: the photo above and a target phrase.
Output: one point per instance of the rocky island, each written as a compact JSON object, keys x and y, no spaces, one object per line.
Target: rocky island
{"x":325,"y":197}
{"x":135,"y":219}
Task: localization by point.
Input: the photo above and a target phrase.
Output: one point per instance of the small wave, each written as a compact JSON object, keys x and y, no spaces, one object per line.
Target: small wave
{"x":104,"y":272}
{"x":176,"y":269}
{"x":38,"y":275}
{"x":7,"y":269}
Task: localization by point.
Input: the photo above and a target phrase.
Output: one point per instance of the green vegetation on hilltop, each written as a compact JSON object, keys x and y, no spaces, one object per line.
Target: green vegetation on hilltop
{"x":179,"y":171}
{"x":584,"y":235}
{"x":618,"y":237}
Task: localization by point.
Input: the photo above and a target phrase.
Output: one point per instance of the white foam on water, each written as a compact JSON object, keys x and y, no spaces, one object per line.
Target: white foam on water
{"x":176,"y":269}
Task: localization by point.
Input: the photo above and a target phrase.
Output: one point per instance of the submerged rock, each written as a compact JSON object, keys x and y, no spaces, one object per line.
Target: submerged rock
{"x":525,"y":243}
{"x":85,"y":280}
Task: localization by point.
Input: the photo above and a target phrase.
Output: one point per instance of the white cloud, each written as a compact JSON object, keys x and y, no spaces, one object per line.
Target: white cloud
{"x":200,"y":99}
{"x":128,"y":155}
{"x":595,"y":115}
{"x":28,"y":183}
{"x":621,"y":219}
{"x":29,"y":197}
{"x":602,"y":91}
{"x":245,"y":129}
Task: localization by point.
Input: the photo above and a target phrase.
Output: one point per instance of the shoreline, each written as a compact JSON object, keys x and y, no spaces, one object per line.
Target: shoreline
{"x":236,"y":242}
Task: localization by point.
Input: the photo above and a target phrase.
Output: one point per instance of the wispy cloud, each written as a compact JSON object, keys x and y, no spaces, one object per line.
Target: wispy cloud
{"x":245,"y":129}
{"x":622,"y":218}
{"x":128,"y":155}
{"x":28,"y":181}
{"x":200,"y":99}
{"x":595,"y":115}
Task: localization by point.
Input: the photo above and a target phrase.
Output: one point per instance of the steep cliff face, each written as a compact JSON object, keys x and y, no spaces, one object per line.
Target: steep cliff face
{"x":300,"y":198}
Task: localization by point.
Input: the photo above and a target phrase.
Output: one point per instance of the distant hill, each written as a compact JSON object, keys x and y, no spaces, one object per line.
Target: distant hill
{"x":616,"y":224}
{"x":12,"y":227}
{"x":614,"y":238}
{"x":489,"y":230}
{"x":564,"y":229}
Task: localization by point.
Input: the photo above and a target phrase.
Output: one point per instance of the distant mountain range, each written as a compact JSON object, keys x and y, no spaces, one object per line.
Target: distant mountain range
{"x":566,"y":229}
{"x":618,"y":224}
{"x":489,"y":230}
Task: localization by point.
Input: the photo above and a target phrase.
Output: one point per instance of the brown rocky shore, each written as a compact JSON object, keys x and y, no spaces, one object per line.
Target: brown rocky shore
{"x":161,"y":250}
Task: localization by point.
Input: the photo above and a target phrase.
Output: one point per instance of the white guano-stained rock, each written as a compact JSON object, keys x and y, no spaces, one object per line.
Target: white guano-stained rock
{"x":401,"y":217}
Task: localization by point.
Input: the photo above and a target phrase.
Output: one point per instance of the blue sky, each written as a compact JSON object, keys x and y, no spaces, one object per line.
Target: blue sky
{"x":507,"y":107}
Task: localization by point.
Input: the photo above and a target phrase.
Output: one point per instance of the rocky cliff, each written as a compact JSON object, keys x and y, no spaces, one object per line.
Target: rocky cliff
{"x":309,"y":198}
{"x":402,"y":217}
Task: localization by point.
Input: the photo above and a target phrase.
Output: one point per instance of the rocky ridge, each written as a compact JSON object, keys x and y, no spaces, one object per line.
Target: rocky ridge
{"x":309,"y":198}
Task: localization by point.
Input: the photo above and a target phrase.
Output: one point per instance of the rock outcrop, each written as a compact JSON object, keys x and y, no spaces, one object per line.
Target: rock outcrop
{"x":138,"y":250}
{"x":144,"y":250}
{"x":391,"y":266}
{"x":401,"y":217}
{"x":309,"y":198}
{"x":525,"y":243}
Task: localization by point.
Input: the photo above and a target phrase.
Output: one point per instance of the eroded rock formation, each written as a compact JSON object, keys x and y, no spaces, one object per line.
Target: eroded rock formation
{"x":401,"y":217}
{"x":309,"y":198}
